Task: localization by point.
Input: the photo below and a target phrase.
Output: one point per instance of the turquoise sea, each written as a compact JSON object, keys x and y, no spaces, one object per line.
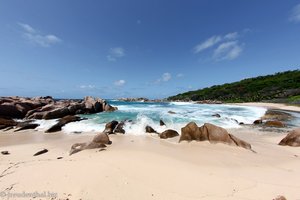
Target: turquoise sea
{"x":174,"y":114}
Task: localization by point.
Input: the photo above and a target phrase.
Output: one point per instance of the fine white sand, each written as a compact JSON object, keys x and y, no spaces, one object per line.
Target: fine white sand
{"x":271,"y":106}
{"x":145,"y":167}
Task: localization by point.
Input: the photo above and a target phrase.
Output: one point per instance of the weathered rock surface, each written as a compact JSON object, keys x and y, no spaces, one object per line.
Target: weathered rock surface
{"x":62,"y":122}
{"x":99,"y":141}
{"x":258,"y":121}
{"x":274,"y":123}
{"x":110,"y":127}
{"x":119,"y":128}
{"x":48,"y":108}
{"x":292,"y":139}
{"x":280,"y":198}
{"x":277,"y":115}
{"x":40,"y":152}
{"x":168,"y":134}
{"x":211,"y":133}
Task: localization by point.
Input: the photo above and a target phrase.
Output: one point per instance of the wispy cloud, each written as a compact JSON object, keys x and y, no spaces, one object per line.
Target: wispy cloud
{"x":87,"y":86}
{"x":228,"y":51}
{"x":33,"y":36}
{"x":295,"y":14}
{"x":231,"y":36}
{"x":119,"y":83}
{"x":165,"y":77}
{"x":226,"y":47}
{"x":115,"y":53}
{"x":207,"y":44}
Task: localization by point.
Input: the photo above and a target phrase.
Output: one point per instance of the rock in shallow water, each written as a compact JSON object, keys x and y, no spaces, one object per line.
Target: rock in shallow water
{"x":161,"y":123}
{"x":275,"y":123}
{"x":168,"y":134}
{"x":149,"y":129}
{"x":62,"y":122}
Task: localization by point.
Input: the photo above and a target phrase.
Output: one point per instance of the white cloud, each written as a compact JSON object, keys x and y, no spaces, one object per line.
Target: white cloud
{"x":115,"y":53}
{"x":231,"y":36}
{"x":27,"y":28}
{"x":226,"y":47}
{"x":207,"y":44}
{"x":165,"y":77}
{"x":87,"y":86}
{"x":34,"y":37}
{"x":179,"y":75}
{"x":295,"y":14}
{"x":119,"y":82}
{"x":227,"y":51}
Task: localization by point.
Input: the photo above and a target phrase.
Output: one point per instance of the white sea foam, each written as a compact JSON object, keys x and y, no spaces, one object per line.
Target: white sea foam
{"x":45,"y":124}
{"x":143,"y":114}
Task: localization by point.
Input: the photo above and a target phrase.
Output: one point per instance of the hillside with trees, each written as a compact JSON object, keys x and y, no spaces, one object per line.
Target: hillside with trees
{"x":281,"y":87}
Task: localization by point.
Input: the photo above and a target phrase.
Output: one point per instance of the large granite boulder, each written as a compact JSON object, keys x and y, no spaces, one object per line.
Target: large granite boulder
{"x":62,"y":122}
{"x":292,"y":139}
{"x":211,"y":133}
{"x":168,"y":134}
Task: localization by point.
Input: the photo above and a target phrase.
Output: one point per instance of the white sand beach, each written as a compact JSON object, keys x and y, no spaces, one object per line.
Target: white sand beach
{"x":145,"y":167}
{"x":271,"y":106}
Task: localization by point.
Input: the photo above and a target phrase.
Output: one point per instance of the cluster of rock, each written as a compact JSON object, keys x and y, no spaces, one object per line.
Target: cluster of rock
{"x":208,"y":101}
{"x":274,"y":118}
{"x":140,"y":99}
{"x":48,"y":108}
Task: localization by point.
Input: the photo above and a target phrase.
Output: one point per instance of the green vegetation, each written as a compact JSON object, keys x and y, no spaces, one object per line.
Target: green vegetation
{"x":280,"y":87}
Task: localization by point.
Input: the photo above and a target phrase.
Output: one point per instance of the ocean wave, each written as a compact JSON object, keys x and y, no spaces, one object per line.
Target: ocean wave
{"x":143,"y":114}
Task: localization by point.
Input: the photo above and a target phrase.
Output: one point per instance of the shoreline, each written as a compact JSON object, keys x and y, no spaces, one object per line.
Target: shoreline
{"x":277,"y":106}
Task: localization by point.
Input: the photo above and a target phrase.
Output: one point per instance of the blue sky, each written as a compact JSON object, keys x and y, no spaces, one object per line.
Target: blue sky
{"x":133,"y":48}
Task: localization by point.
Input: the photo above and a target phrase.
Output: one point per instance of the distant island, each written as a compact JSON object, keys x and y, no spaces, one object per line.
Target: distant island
{"x":282,"y":87}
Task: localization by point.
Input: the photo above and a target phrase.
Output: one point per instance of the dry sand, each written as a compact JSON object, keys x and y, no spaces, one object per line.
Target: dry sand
{"x":271,"y":106}
{"x":145,"y":167}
